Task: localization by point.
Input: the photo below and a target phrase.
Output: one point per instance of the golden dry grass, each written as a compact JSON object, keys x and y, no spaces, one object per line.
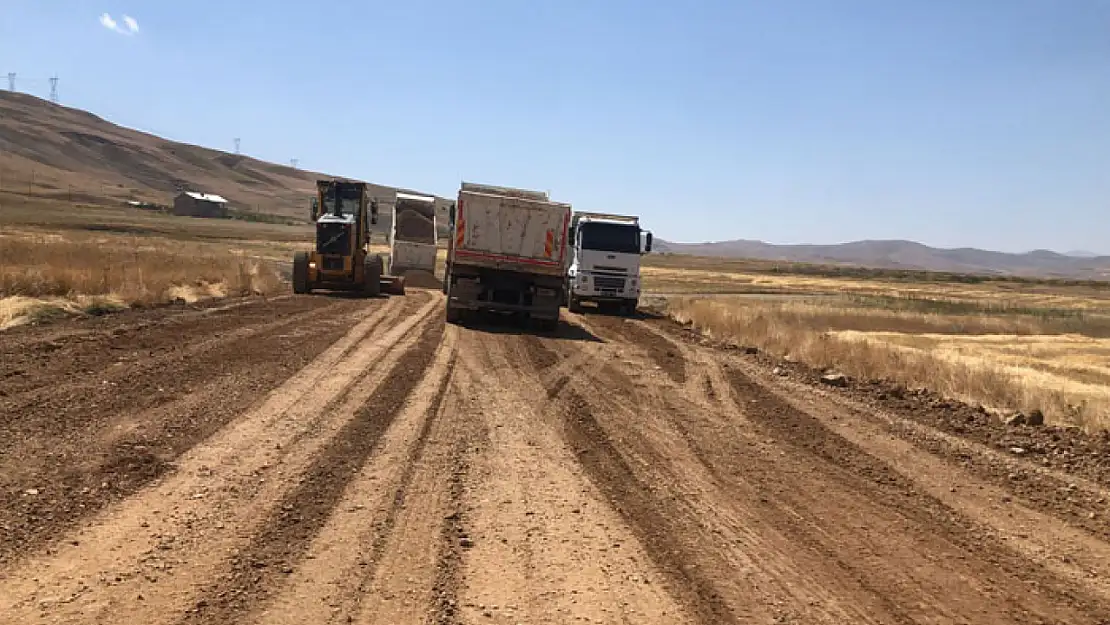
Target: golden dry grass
{"x":999,"y":295}
{"x":49,"y":273}
{"x":1004,"y":361}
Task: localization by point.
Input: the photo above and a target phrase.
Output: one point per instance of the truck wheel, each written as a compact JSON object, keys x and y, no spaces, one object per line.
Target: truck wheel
{"x":300,"y":273}
{"x":628,"y":309}
{"x":547,"y":325}
{"x":372,"y":277}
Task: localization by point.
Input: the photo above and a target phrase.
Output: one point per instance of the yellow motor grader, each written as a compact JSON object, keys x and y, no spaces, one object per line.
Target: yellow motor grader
{"x":343,"y":213}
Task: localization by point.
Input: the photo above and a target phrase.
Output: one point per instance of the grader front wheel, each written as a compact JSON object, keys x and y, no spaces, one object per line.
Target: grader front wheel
{"x":300,"y":273}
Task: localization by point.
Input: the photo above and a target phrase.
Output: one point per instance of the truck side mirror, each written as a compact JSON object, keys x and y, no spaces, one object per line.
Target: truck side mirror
{"x":315,"y":208}
{"x":647,"y":244}
{"x":373,"y":211}
{"x":451,"y":213}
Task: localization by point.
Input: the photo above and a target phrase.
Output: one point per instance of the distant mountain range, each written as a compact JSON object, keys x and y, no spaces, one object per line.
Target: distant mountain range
{"x":908,"y":255}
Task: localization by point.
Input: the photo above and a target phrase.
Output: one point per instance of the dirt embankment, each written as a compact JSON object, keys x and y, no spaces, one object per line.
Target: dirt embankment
{"x":334,"y":460}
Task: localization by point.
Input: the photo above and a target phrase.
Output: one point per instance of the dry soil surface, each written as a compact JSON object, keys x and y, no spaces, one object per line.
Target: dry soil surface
{"x":329,"y":460}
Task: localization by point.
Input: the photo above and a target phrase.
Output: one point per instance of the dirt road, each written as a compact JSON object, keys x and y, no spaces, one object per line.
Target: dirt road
{"x":329,"y":460}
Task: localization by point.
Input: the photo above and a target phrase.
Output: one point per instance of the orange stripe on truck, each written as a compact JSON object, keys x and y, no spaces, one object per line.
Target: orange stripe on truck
{"x":460,"y":225}
{"x":549,"y":244}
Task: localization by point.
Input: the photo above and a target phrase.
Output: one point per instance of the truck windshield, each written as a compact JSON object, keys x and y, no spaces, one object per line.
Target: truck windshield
{"x":348,"y":200}
{"x":620,"y":238}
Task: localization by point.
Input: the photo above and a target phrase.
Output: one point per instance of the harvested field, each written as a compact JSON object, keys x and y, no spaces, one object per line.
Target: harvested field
{"x":1012,"y":358}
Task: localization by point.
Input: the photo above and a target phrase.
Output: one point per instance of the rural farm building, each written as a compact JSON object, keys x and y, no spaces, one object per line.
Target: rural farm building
{"x":194,"y":204}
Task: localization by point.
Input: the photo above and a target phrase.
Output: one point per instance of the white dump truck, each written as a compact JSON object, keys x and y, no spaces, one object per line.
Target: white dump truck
{"x":413,"y":234}
{"x":605,"y":261}
{"x":507,"y":253}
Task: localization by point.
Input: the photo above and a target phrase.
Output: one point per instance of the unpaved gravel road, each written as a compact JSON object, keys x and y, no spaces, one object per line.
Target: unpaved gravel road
{"x":330,"y":460}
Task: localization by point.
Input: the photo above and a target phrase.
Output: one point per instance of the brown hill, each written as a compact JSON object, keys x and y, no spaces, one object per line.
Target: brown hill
{"x":47,"y":150}
{"x":907,"y":255}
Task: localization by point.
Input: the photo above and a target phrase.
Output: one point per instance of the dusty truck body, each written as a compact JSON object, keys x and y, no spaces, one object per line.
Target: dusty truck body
{"x":507,"y":253}
{"x":413,"y":234}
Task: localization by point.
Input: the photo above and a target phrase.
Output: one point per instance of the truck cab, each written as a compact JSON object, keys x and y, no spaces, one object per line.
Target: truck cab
{"x":605,"y":261}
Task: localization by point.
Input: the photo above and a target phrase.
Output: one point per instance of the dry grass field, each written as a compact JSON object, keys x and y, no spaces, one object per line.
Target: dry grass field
{"x":105,"y":259}
{"x":1005,"y":344}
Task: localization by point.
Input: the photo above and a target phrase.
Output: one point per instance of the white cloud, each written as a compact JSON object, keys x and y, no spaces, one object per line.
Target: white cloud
{"x":130,"y":25}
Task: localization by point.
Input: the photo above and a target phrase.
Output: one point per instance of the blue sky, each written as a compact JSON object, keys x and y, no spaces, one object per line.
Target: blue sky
{"x":952,"y":122}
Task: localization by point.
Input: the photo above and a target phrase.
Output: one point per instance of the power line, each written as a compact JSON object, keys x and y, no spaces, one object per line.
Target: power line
{"x":295,"y":162}
{"x":237,"y":145}
{"x":11,"y":81}
{"x":54,"y":88}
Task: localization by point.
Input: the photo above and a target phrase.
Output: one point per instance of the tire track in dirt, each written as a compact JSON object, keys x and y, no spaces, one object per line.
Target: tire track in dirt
{"x":184,"y":527}
{"x":765,"y":490}
{"x":42,"y":358}
{"x":654,"y":526}
{"x":453,"y":535}
{"x":383,"y":531}
{"x":697,"y":427}
{"x":547,"y":546}
{"x":111,"y":449}
{"x":416,"y":575}
{"x":665,"y":353}
{"x":257,"y":571}
{"x":1060,"y":474}
{"x":994,"y":566}
{"x":865,"y":564}
{"x":1072,"y":554}
{"x":133,"y":323}
{"x":713,"y":556}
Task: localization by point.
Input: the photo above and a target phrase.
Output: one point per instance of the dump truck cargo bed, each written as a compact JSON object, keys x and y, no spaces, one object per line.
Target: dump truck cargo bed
{"x":510,"y":233}
{"x":413,"y":233}
{"x":507,"y":253}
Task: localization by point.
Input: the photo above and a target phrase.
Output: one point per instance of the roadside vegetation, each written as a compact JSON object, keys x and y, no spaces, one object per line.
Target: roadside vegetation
{"x":45,"y":275}
{"x":1044,"y":348}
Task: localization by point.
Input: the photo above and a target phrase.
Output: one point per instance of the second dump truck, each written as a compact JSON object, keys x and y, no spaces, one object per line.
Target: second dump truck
{"x":507,"y":252}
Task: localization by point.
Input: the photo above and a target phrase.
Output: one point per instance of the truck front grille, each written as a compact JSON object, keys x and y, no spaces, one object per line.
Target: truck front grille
{"x":608,"y":283}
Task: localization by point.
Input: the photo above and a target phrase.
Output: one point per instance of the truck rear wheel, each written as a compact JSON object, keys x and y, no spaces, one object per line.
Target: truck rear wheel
{"x":300,"y":273}
{"x":454,"y":315}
